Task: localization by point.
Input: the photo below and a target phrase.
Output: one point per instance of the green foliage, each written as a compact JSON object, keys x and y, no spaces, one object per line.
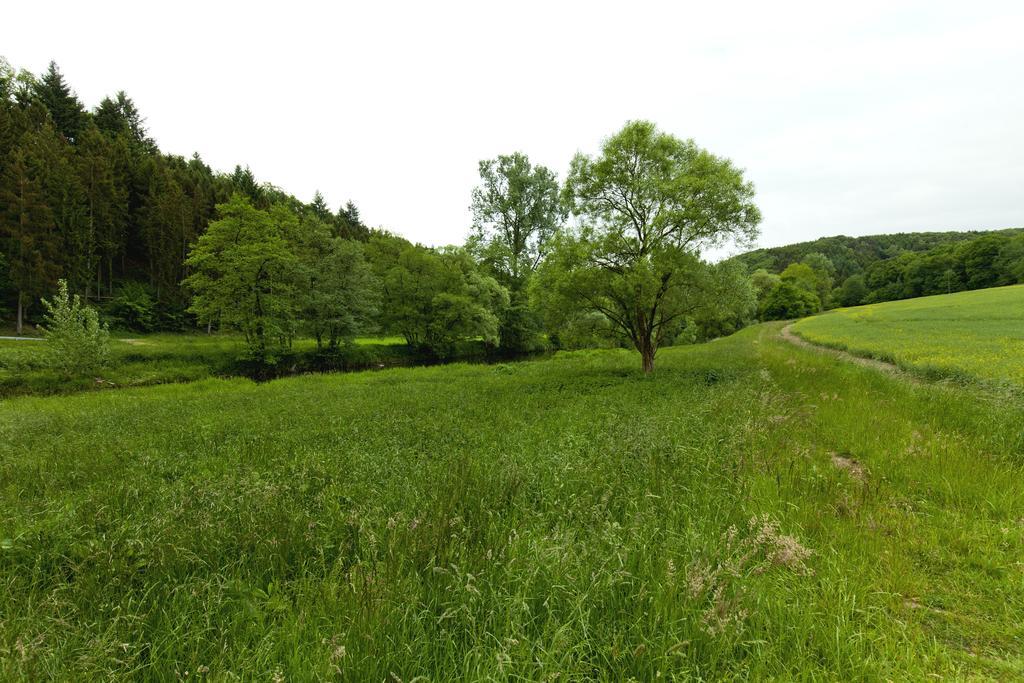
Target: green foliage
{"x":586,"y":330}
{"x":519,"y":325}
{"x":120,"y":117}
{"x":1010,"y":262}
{"x":337,"y":291}
{"x":647,"y":204}
{"x":851,"y":255}
{"x":824,"y":276}
{"x":245,"y":271}
{"x":27,"y":230}
{"x":350,"y":225}
{"x":853,"y":291}
{"x":813,"y":280}
{"x":516,"y":213}
{"x":437,"y":299}
{"x":978,"y":258}
{"x":76,"y":343}
{"x":820,"y":264}
{"x":734,"y":305}
{"x":89,"y":197}
{"x":66,"y":111}
{"x":133,"y":308}
{"x":902,"y":266}
{"x":763,"y":282}
{"x":800,"y":275}
{"x":789,"y":300}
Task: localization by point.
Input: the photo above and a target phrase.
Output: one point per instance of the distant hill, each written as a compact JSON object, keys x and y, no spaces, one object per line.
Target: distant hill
{"x":852,"y":255}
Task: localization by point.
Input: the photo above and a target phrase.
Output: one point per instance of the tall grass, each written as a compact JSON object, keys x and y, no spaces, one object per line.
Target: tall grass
{"x":174,"y":358}
{"x":565,"y":519}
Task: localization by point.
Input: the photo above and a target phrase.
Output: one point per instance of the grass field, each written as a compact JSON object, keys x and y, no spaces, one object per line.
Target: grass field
{"x":976,"y":335}
{"x":144,"y":360}
{"x":753,"y":510}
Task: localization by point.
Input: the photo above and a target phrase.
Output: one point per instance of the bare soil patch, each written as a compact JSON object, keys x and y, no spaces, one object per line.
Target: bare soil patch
{"x":847,"y":464}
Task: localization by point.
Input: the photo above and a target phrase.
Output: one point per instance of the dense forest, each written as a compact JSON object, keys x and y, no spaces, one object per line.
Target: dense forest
{"x":87,"y":196}
{"x":799,"y":279}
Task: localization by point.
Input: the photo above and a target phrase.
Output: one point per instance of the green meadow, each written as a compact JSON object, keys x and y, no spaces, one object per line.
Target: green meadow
{"x":591,"y":440}
{"x":751,"y":510}
{"x":149,"y":359}
{"x":966,"y":335}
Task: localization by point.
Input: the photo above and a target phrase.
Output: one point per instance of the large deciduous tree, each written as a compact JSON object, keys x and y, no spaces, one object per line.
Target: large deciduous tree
{"x":436,"y":300}
{"x":646,"y":206}
{"x":244,"y":275}
{"x":516,"y":212}
{"x":338,"y":293}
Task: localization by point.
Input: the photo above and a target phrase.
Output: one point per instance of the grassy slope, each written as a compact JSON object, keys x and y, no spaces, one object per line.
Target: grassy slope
{"x":522,"y":521}
{"x":978,"y":334}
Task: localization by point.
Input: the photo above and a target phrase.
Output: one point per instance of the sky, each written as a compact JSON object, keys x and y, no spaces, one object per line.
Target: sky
{"x":849,"y":118}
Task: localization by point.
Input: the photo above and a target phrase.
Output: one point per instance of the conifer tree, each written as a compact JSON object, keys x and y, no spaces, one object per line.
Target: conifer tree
{"x":120,"y":116}
{"x":27,"y":233}
{"x":319,"y":208}
{"x":106,"y":203}
{"x":350,"y":225}
{"x":66,"y":110}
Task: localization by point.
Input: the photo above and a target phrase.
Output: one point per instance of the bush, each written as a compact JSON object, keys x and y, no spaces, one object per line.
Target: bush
{"x":789,"y":301}
{"x":853,"y":291}
{"x":520,"y":329}
{"x":76,"y":343}
{"x":134,"y":308}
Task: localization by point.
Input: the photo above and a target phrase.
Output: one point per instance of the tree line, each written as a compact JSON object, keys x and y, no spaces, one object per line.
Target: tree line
{"x":802,"y":279}
{"x":612,"y":255}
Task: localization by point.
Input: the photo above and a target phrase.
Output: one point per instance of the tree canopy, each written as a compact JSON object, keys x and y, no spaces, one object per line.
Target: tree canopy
{"x":645,"y":207}
{"x":516,"y":213}
{"x":438,"y":299}
{"x":244,"y":274}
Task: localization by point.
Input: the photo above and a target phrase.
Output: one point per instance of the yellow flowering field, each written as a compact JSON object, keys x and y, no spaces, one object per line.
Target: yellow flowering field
{"x":978,"y":334}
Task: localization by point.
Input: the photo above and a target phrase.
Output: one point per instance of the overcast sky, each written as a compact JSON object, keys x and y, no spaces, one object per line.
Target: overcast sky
{"x":853,"y":118}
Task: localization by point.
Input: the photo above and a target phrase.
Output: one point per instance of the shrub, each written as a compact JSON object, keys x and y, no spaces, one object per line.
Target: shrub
{"x":76,"y":343}
{"x":789,"y":301}
{"x":519,"y":331}
{"x":134,"y":308}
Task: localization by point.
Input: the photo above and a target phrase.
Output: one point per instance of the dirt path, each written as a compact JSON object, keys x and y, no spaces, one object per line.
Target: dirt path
{"x":788,"y":335}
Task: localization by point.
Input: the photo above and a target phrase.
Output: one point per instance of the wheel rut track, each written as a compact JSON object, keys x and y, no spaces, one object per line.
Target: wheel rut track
{"x":890,"y":368}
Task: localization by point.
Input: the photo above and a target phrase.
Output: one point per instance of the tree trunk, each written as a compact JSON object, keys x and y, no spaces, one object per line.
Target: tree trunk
{"x":209,"y":326}
{"x":645,"y":345}
{"x":21,"y":309}
{"x":647,"y":357}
